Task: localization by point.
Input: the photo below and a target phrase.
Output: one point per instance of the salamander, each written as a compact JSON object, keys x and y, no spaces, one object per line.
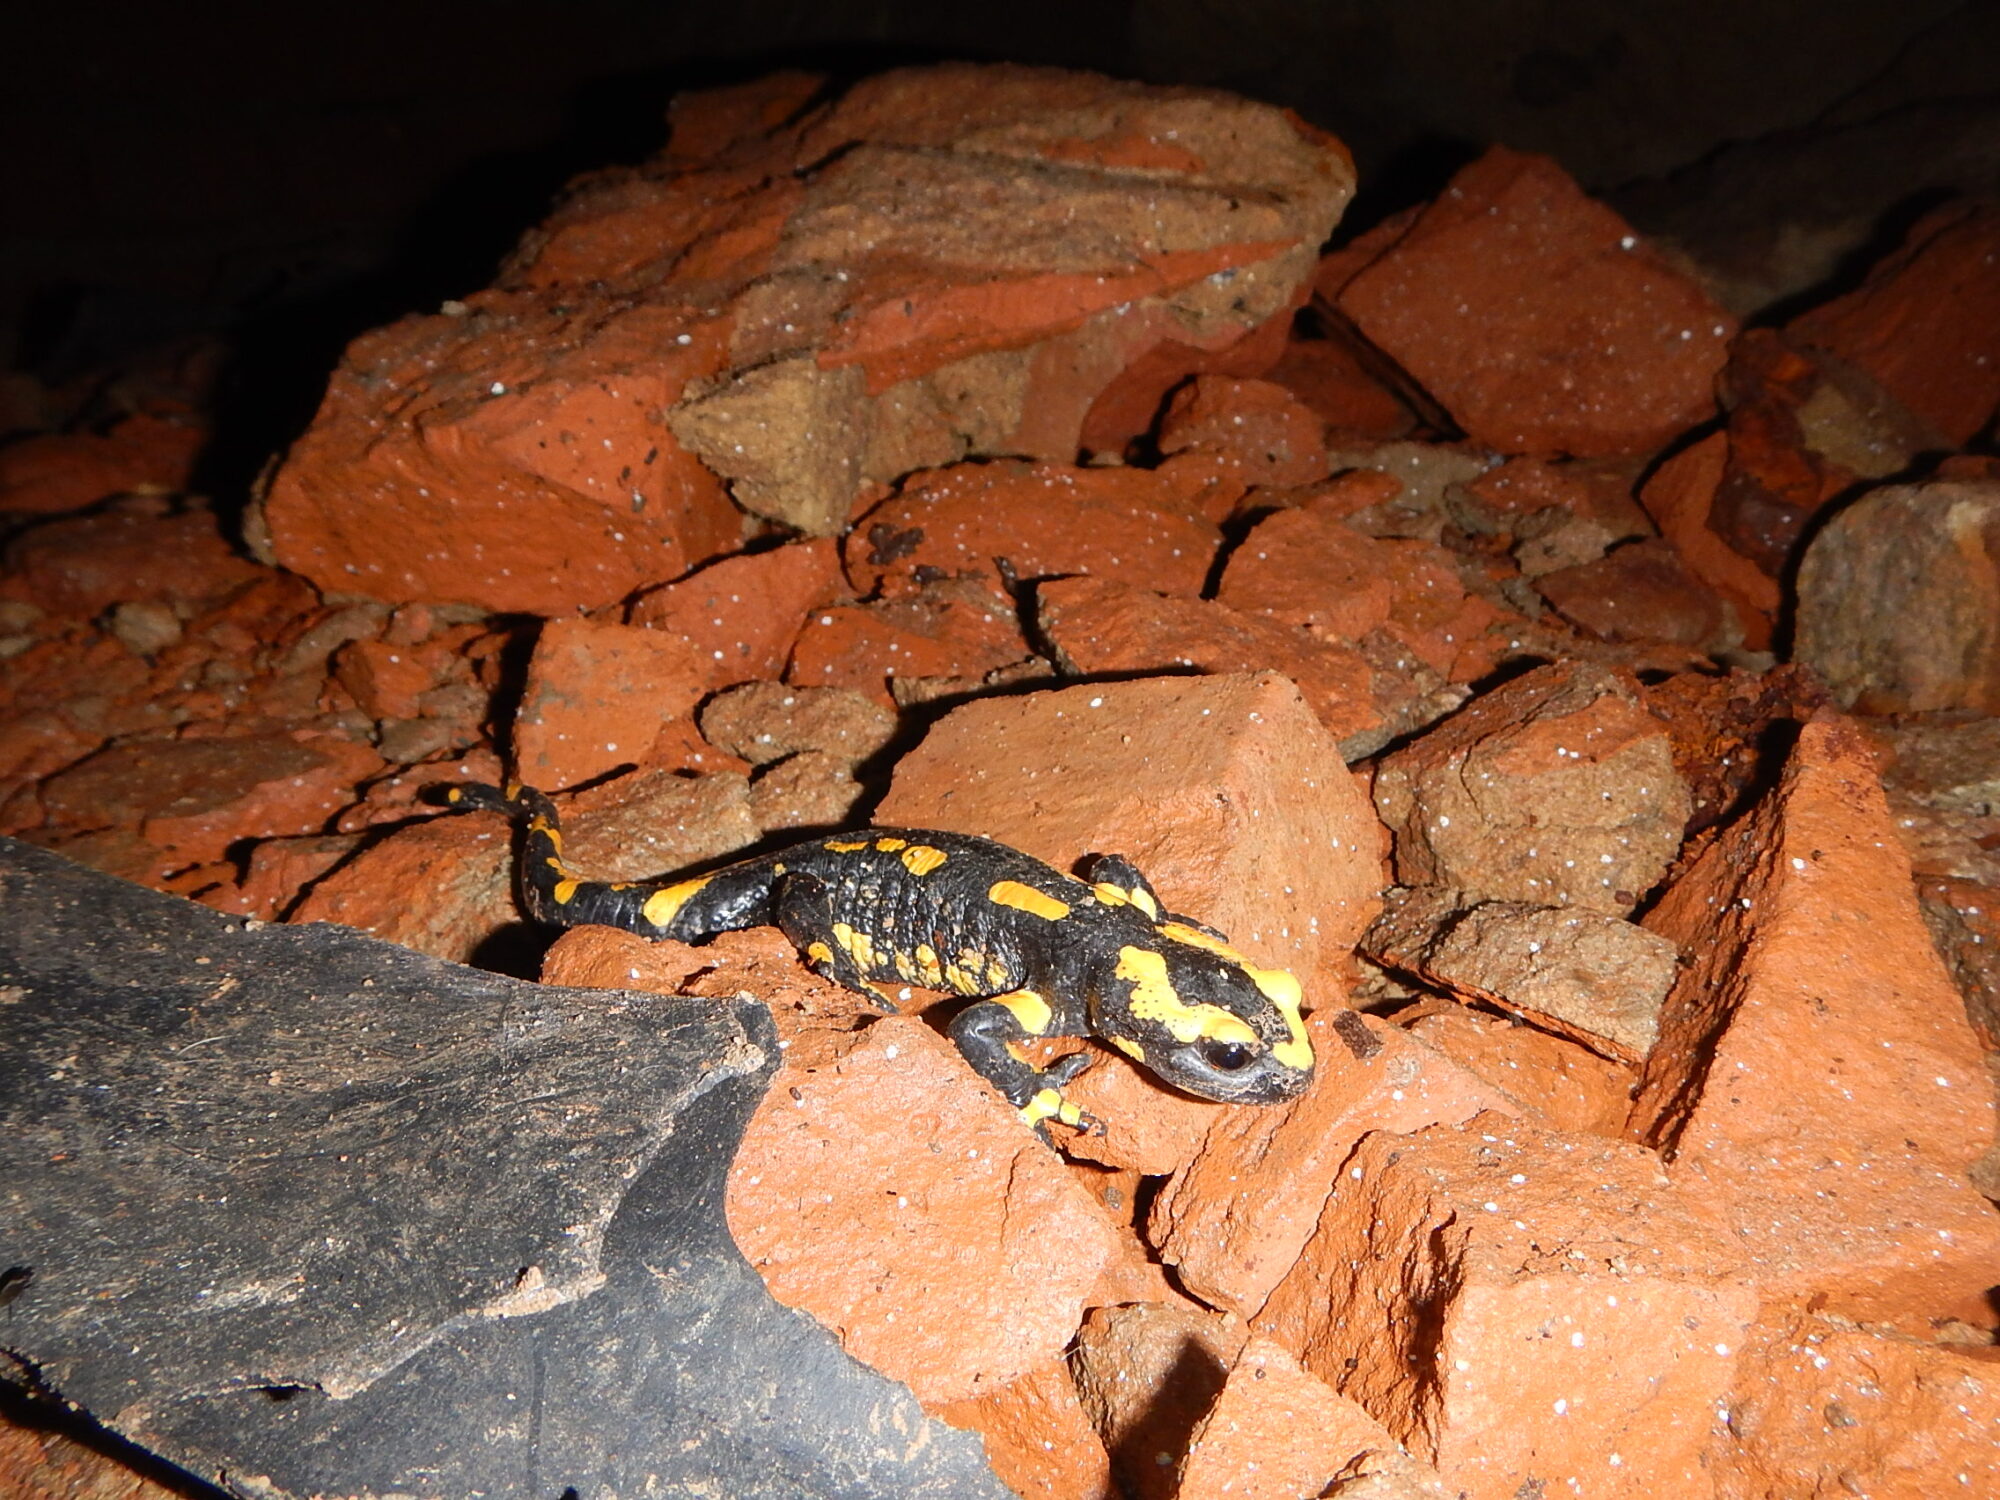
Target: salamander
{"x":1040,"y":953}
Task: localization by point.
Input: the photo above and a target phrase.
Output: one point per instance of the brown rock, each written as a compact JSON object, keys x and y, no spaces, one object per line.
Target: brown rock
{"x":1425,"y":476}
{"x":1224,"y":790}
{"x":54,"y":472}
{"x":812,"y":789}
{"x":955,"y":628}
{"x":1820,"y":1407}
{"x":38,"y":1464}
{"x":1256,"y":425}
{"x":1589,"y":342}
{"x":507,"y":453}
{"x":598,"y":697}
{"x":1642,"y":592}
{"x":1277,"y":1432}
{"x":194,"y":797}
{"x":1306,"y":567}
{"x":1899,"y":600}
{"x":1804,"y":428}
{"x":741,"y":614}
{"x":1556,"y":789}
{"x":770,"y":721}
{"x":1730,"y":731}
{"x":894,"y":1197}
{"x":652,"y":822}
{"x":1843,"y":1178}
{"x":1596,"y":979}
{"x":1927,"y":320}
{"x":1038,"y":1439}
{"x":1521,"y":1309}
{"x":1233,"y":1220}
{"x":1552,"y":1082}
{"x":387,"y":681}
{"x":979,"y":257}
{"x":1680,"y":496}
{"x":137,"y":549}
{"x":1147,"y":1373}
{"x":1104,"y":627}
{"x":1042,"y":519}
{"x":443,"y":886}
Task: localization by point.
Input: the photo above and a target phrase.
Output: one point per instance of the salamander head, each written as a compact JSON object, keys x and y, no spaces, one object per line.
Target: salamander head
{"x":1203,"y":1018}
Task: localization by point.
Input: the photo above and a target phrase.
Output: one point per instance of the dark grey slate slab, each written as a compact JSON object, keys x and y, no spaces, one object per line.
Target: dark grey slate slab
{"x":312,"y":1214}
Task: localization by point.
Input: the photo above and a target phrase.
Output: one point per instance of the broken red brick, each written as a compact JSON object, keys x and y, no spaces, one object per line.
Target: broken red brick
{"x":1147,"y":1373}
{"x":1037,"y":1438}
{"x":1255,"y":425}
{"x":598,"y":697}
{"x":741,"y":614}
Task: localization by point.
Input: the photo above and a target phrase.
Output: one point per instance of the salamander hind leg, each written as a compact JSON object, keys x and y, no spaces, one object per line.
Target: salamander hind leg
{"x":988,"y":1035}
{"x":802,"y":908}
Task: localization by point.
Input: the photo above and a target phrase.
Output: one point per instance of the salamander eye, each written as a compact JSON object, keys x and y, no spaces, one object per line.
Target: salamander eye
{"x":1227,"y":1056}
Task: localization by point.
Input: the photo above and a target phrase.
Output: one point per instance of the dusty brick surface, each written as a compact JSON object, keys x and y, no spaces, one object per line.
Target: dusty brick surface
{"x":1520,"y":1307}
{"x":741,"y":614}
{"x":1037,"y":1437}
{"x":898,"y":1200}
{"x":1816,"y":1080}
{"x":1679,"y":496}
{"x":1553,"y":1082}
{"x":1555,"y":789}
{"x":459,"y":865}
{"x":1147,"y":1374}
{"x":598,"y":697}
{"x":1589,"y":341}
{"x":1233,"y":1220}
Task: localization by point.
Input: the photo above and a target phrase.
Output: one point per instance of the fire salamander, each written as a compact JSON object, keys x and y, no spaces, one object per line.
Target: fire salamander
{"x":1044,"y":954}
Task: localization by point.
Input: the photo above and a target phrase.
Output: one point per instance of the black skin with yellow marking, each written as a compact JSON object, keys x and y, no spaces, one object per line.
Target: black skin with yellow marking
{"x":1044,"y":954}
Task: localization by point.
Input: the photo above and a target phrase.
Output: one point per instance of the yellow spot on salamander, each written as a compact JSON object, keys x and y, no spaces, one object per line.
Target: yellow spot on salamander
{"x":921,"y":859}
{"x":858,"y":946}
{"x":996,"y":974}
{"x":1029,"y":1008}
{"x":1194,"y":937}
{"x":845,"y":846}
{"x":1281,"y":988}
{"x":890,"y":846}
{"x":929,"y":970}
{"x":960,"y":982}
{"x":664,"y":904}
{"x":541,"y":825}
{"x":818,"y":952}
{"x":564,"y":890}
{"x":1142,"y":898}
{"x":1026,"y":898}
{"x":1050,"y":1105}
{"x":1154,"y":998}
{"x":1111,"y":895}
{"x":1130,"y":1048}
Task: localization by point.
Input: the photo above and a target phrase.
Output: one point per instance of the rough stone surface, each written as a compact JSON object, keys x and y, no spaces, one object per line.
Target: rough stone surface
{"x":951,"y":628}
{"x":598,"y":697}
{"x":1588,"y":341}
{"x":1042,"y":520}
{"x":1232,"y":1221}
{"x":896,"y":1198}
{"x":1277,"y":1432}
{"x":1596,"y":979}
{"x":1680,"y":496}
{"x":651,"y":822}
{"x":1927,"y":320}
{"x":443,"y":886}
{"x":1841,"y":1178}
{"x":1553,"y":1082}
{"x":1037,"y":1437}
{"x":1256,"y":427}
{"x":1147,"y":1373}
{"x":137,"y":550}
{"x":1926,"y":557}
{"x":1821,"y":1409}
{"x":741,"y":614}
{"x":765,"y":722}
{"x":1225,"y":791}
{"x":1642,"y":592}
{"x":1556,"y":789}
{"x":1522,"y":1309}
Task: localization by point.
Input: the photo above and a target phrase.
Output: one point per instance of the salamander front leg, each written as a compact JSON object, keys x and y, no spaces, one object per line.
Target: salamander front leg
{"x":989,"y":1034}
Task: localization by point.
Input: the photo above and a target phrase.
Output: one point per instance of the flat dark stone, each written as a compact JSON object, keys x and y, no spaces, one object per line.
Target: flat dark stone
{"x":312,"y":1214}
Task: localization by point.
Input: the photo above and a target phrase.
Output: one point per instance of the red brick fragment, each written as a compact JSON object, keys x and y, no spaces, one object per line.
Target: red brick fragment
{"x":137,"y":549}
{"x":1539,"y":318}
{"x":55,"y":472}
{"x":1642,"y":592}
{"x":598,"y":697}
{"x":1551,"y":1081}
{"x":1147,"y":1374}
{"x":1522,"y":1309}
{"x":956,"y":628}
{"x":1256,"y":425}
{"x":741,"y":614}
{"x":1680,"y":497}
{"x":443,"y":886}
{"x":1037,"y":1438}
{"x":1816,"y":1079}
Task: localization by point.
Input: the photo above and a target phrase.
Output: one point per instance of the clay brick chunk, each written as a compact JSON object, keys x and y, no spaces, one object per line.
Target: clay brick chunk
{"x":597,"y":697}
{"x":1899,"y":599}
{"x":1527,"y":1311}
{"x":1594,"y":978}
{"x":1147,"y":1373}
{"x":1556,"y":789}
{"x":1278,"y":1432}
{"x":1037,"y":1437}
{"x":1816,"y":1078}
{"x":1233,"y":1219}
{"x":741,"y":614}
{"x":898,"y":1200}
{"x":1820,"y":1407}
{"x":1538,"y":317}
{"x":443,"y":886}
{"x":1224,"y":790}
